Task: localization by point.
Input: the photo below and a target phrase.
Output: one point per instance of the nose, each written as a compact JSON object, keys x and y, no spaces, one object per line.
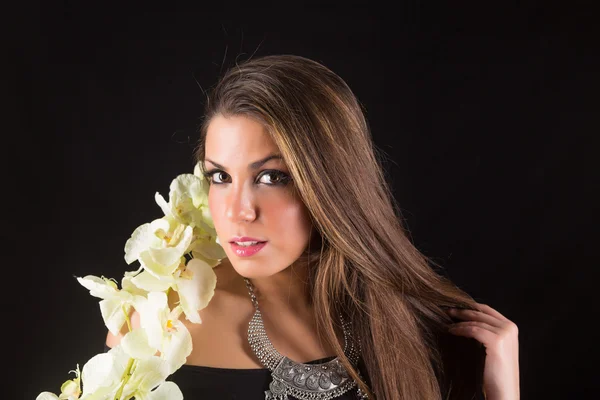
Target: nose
{"x":241,"y":205}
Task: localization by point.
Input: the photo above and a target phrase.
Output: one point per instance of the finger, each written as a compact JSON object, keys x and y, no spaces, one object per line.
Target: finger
{"x":489,"y":310}
{"x":473,"y":315}
{"x":466,"y":324}
{"x":480,"y":333}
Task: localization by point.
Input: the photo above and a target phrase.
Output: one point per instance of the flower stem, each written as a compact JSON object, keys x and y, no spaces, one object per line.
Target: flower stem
{"x":126,"y":318}
{"x":124,"y":378}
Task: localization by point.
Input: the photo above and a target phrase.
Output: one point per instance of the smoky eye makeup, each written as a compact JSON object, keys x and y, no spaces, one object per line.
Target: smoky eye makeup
{"x":277,"y":177}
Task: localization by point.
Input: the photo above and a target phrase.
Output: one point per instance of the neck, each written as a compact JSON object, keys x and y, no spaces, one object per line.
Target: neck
{"x":286,"y":290}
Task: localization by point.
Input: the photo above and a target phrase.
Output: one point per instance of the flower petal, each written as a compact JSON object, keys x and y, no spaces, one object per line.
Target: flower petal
{"x":113,"y":312}
{"x":129,"y":286}
{"x":160,"y":224}
{"x":178,"y":347}
{"x":140,"y":240}
{"x":46,"y":396}
{"x":162,"y":203}
{"x":98,"y":372}
{"x":207,"y":218}
{"x":69,"y":388}
{"x":157,"y":269}
{"x":166,"y":391}
{"x":213,"y":263}
{"x":195,"y":293}
{"x":188,"y":198}
{"x":210,"y":250}
{"x":135,"y":344}
{"x":153,"y":318}
{"x":147,"y":375}
{"x":163,"y":261}
{"x":98,"y":287}
{"x":198,"y":191}
{"x":198,"y":170}
{"x":186,"y":240}
{"x":151,"y":283}
{"x":168,"y":256}
{"x":103,"y":393}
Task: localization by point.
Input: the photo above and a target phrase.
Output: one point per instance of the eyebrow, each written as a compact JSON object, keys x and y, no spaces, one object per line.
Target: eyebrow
{"x":253,"y":165}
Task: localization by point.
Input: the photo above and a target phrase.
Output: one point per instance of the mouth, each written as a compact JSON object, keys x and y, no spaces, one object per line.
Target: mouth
{"x":247,"y":249}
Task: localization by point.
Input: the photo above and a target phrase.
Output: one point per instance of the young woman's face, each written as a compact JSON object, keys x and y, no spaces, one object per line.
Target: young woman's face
{"x":250,"y":198}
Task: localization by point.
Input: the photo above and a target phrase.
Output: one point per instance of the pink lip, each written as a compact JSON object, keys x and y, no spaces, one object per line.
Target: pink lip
{"x":247,"y":251}
{"x":245,"y":239}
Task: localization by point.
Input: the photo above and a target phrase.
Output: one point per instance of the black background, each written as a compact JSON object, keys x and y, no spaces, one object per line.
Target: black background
{"x":487,"y":114}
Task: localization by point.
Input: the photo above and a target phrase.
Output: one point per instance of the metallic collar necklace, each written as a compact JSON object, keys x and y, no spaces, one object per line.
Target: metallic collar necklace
{"x":323,"y":381}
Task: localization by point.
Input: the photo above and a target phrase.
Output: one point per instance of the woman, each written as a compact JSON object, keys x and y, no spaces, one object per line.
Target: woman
{"x":320,"y":275}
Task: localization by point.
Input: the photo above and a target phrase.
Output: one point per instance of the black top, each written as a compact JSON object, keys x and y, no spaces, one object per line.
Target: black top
{"x":198,"y":382}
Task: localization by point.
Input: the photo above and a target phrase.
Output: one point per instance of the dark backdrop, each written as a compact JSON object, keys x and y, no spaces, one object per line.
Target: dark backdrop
{"x":488,"y":117}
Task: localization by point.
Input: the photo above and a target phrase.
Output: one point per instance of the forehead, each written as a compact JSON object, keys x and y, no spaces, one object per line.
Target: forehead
{"x":237,"y":138}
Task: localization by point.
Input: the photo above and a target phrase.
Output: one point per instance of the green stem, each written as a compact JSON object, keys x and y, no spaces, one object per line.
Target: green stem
{"x":126,"y":317}
{"x":124,"y":379}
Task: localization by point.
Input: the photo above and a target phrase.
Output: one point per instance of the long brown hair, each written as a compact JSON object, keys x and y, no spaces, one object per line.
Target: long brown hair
{"x":365,"y":266}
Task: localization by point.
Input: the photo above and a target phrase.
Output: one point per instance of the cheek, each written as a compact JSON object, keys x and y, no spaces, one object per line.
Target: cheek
{"x":287,"y":223}
{"x":283,"y":220}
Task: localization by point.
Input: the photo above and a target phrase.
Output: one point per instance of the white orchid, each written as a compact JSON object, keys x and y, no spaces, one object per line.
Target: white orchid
{"x":188,"y":202}
{"x":165,"y":332}
{"x":194,"y":282}
{"x":115,"y":375}
{"x":198,"y":170}
{"x":116,"y":304}
{"x":147,"y":355}
{"x":207,"y":249}
{"x":159,"y":246}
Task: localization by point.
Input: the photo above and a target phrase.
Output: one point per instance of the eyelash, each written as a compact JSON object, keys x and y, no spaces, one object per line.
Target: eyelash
{"x":284,"y":178}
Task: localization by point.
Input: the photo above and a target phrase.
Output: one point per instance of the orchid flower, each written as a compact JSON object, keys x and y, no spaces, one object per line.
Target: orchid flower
{"x":165,"y":332}
{"x":194,"y":282}
{"x":188,"y":202}
{"x":115,"y":375}
{"x":147,"y":355}
{"x":159,"y":245}
{"x":116,"y":304}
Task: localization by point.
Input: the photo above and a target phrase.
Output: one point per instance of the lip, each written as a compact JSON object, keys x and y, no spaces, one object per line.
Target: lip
{"x":245,"y":239}
{"x":247,"y":251}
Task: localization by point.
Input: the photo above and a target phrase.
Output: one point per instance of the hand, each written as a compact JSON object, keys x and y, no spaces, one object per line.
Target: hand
{"x":499,"y":335}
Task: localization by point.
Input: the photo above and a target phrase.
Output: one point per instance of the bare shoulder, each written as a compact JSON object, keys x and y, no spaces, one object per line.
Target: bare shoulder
{"x":219,"y":341}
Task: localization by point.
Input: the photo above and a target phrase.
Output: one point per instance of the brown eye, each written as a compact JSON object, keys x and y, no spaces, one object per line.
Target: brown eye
{"x":210,"y":176}
{"x":219,"y":174}
{"x":276,"y":178}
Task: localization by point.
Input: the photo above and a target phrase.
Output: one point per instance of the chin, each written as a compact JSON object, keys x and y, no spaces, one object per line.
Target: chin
{"x":253,"y":270}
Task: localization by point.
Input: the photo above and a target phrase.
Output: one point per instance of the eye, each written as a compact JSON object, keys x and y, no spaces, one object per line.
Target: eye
{"x":210,"y":176}
{"x":277,"y":177}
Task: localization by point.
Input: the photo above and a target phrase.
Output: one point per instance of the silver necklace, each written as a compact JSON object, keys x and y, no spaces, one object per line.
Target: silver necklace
{"x":323,"y":381}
